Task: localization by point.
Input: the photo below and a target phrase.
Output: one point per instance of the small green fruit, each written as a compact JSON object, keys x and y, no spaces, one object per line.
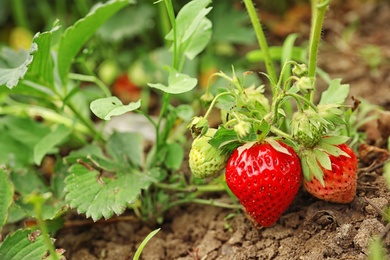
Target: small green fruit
{"x":307,"y":128}
{"x":206,"y":161}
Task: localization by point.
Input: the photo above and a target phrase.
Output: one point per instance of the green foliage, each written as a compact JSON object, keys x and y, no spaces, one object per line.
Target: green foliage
{"x":11,"y":76}
{"x":50,"y":141}
{"x":76,"y":36}
{"x":178,"y":83}
{"x":127,"y":23}
{"x":101,"y":195}
{"x":6,"y":194}
{"x":24,"y":244}
{"x":234,"y":28}
{"x":46,"y":112}
{"x":376,"y":249}
{"x":335,"y":94}
{"x":105,"y":108}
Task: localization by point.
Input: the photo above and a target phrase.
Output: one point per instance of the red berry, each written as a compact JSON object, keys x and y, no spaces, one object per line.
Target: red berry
{"x":264,"y":180}
{"x":125,"y":89}
{"x":340,"y":182}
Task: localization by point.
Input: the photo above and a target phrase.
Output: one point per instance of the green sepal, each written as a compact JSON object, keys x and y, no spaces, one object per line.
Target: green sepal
{"x":334,"y":140}
{"x":331,"y":148}
{"x":198,"y":126}
{"x":310,"y":166}
{"x":277,"y":146}
{"x":323,"y":159}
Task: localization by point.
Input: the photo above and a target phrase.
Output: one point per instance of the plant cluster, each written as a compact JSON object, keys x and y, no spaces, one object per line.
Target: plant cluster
{"x":55,"y":158}
{"x":272,"y":149}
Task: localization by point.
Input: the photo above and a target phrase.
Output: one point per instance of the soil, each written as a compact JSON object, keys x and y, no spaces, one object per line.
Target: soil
{"x":310,"y":228}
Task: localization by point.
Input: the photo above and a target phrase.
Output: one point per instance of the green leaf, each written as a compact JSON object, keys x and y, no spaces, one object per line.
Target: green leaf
{"x":227,"y":141}
{"x":41,"y":69}
{"x":175,"y":156}
{"x":23,"y":244}
{"x":335,"y":94}
{"x":178,"y":83}
{"x":276,"y":53}
{"x":231,"y":25}
{"x":11,"y":76}
{"x":126,"y":147}
{"x":188,"y":19}
{"x":6,"y":195}
{"x":84,"y":153}
{"x":77,"y":35}
{"x":50,"y":141}
{"x":105,"y":108}
{"x":185,"y":112}
{"x":52,"y":209}
{"x":97,"y":196}
{"x":18,"y":136}
{"x":13,"y":152}
{"x":199,"y":40}
{"x":28,"y":181}
{"x":127,"y":23}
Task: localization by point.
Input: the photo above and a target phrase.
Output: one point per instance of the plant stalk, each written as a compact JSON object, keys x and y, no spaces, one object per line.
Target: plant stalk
{"x":192,"y":188}
{"x":262,"y":41}
{"x":92,"y":79}
{"x":319,"y":8}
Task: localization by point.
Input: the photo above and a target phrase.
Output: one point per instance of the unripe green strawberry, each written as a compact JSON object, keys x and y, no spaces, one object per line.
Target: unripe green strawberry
{"x":206,"y":161}
{"x":307,"y":128}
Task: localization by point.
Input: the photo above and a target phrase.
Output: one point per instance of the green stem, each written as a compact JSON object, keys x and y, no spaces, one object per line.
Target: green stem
{"x":192,"y":188}
{"x":92,"y":79}
{"x":304,"y":100}
{"x":261,"y":40}
{"x":318,"y":15}
{"x":37,"y":200}
{"x":171,"y":15}
{"x":164,"y":25}
{"x":46,"y":114}
{"x":45,"y":234}
{"x":212,"y":202}
{"x":87,"y":123}
{"x":19,"y":13}
{"x":209,"y":202}
{"x":279,"y":132}
{"x":214,"y":101}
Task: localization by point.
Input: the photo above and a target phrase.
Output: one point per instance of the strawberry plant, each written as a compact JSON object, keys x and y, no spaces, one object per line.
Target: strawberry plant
{"x":48,"y":134}
{"x":55,"y":157}
{"x":272,"y":147}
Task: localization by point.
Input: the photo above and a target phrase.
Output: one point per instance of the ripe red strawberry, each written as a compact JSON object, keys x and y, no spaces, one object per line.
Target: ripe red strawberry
{"x":264,"y":180}
{"x":340,"y":182}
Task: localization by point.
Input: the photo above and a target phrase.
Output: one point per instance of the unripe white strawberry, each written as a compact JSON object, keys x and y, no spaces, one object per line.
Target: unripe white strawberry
{"x":206,"y":161}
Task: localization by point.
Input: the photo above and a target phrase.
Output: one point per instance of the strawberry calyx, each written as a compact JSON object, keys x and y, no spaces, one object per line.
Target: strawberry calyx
{"x":312,"y":159}
{"x":308,"y":127}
